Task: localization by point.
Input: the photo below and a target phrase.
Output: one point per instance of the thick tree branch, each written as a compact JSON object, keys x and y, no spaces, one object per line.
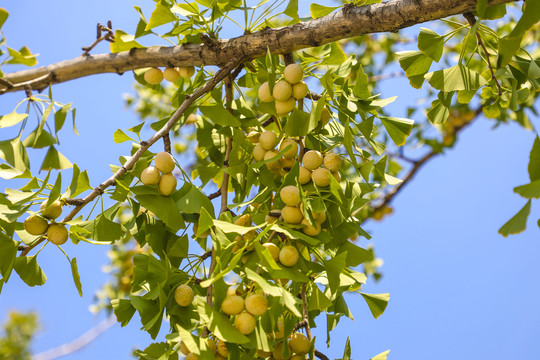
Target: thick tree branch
{"x":348,"y":22}
{"x":220,"y":75}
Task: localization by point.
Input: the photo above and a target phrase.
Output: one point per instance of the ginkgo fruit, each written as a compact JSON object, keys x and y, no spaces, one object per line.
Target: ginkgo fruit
{"x":304,"y":175}
{"x":35,"y":225}
{"x":297,"y":357}
{"x":288,"y":256}
{"x":244,"y":220}
{"x":332,"y":162}
{"x":264,"y":93}
{"x":57,"y":234}
{"x":287,"y":162}
{"x":245,"y":323}
{"x":281,"y":330}
{"x":272,"y":165}
{"x":191,"y":356}
{"x":272,"y":216}
{"x":312,"y":160}
{"x":256,"y":304}
{"x":268,"y":140}
{"x":300,"y":90}
{"x":153,"y":76}
{"x":186,"y":71}
{"x":291,"y":146}
{"x":291,"y":215}
{"x":184,"y":295}
{"x":52,"y":211}
{"x":286,"y":106}
{"x":171,"y":74}
{"x":258,"y":152}
{"x":212,"y":345}
{"x":282,"y":90}
{"x":222,"y":349}
{"x":183,"y":348}
{"x":309,"y":229}
{"x":278,"y":351}
{"x":321,"y":177}
{"x":232,"y":305}
{"x":290,"y":195}
{"x":293,"y":73}
{"x":299,"y":343}
{"x":150,"y":176}
{"x":164,"y":162}
{"x":253,"y":136}
{"x":167,"y":184}
{"x":325,"y":116}
{"x":273,"y":249}
{"x":263,"y":354}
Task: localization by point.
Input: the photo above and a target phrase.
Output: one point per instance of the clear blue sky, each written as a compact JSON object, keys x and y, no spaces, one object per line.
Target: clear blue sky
{"x":458,"y":289}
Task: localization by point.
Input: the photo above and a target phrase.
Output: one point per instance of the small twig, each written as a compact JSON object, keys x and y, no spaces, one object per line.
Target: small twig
{"x":214,"y":195}
{"x":288,"y":58}
{"x":472,"y":20}
{"x":320,"y":355}
{"x":206,"y":255}
{"x":313,"y":96}
{"x":78,"y":343}
{"x":299,"y":325}
{"x":268,"y":121}
{"x":305,"y":314}
{"x":22,"y":247}
{"x":8,"y":84}
{"x":75,"y":202}
{"x":29,"y":83}
{"x":109,"y":36}
{"x":167,"y":143}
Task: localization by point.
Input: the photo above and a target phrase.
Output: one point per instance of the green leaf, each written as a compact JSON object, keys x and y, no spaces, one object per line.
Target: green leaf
{"x":347,"y":351}
{"x":60,"y":117}
{"x":318,"y":11}
{"x":219,"y":115}
{"x":12,"y":118}
{"x":79,"y":182}
{"x":55,"y":160}
{"x":292,"y":10}
{"x":377,"y":303}
{"x":14,"y":153}
{"x":334,"y":267}
{"x":103,"y":229}
{"x":518,"y":222}
{"x":161,"y":15}
{"x":529,"y":191}
{"x":317,"y":300}
{"x":298,"y":123}
{"x":229,"y":228}
{"x":455,"y":78}
{"x":76,"y":276}
{"x":24,"y":56}
{"x":397,"y":128}
{"x":190,"y":199}
{"x":481,"y":7}
{"x":29,"y":270}
{"x":509,"y":44}
{"x":119,"y":137}
{"x":361,"y":89}
{"x":416,"y":65}
{"x":534,"y":161}
{"x":381,"y":356}
{"x":3,"y":16}
{"x":355,"y":254}
{"x":124,"y":42}
{"x":7,"y":172}
{"x":8,"y":255}
{"x":494,"y":12}
{"x":431,"y":44}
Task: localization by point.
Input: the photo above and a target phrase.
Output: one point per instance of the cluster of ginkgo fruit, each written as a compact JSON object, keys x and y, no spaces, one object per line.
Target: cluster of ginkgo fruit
{"x":38,"y":224}
{"x":287,"y":91}
{"x":155,"y":76}
{"x":161,"y":174}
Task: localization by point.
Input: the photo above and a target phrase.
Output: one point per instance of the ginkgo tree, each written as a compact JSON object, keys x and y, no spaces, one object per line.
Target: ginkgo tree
{"x":291,"y":150}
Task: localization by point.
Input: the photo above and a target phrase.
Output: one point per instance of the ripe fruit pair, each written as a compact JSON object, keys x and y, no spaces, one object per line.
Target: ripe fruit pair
{"x":154,"y":76}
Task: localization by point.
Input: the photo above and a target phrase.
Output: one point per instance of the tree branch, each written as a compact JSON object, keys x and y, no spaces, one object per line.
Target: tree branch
{"x":220,"y":75}
{"x":78,"y":343}
{"x":350,"y":21}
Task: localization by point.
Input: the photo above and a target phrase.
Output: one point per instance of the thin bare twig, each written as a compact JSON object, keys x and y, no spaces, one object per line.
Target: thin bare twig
{"x":78,"y":343}
{"x":214,"y":195}
{"x":109,"y":36}
{"x":320,"y":355}
{"x":208,"y":86}
{"x":472,"y":20}
{"x":167,"y":143}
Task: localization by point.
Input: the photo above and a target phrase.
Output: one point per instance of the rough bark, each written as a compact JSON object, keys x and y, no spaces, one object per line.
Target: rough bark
{"x":348,"y":22}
